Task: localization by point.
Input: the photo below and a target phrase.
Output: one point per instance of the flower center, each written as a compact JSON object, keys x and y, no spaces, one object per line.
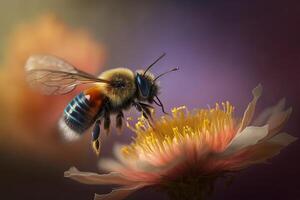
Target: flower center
{"x":211,"y":127}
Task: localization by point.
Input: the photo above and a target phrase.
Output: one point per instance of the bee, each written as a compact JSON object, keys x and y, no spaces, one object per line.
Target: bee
{"x":110,"y":93}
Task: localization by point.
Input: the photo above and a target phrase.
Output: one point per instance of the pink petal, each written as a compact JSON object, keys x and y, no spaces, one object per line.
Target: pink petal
{"x":120,"y":193}
{"x":96,"y":179}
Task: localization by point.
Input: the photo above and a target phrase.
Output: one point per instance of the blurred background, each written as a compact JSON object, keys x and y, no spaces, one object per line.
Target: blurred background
{"x":223,"y":49}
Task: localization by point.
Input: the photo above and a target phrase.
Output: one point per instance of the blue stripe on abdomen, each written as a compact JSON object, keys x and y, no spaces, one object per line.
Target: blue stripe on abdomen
{"x":78,"y":115}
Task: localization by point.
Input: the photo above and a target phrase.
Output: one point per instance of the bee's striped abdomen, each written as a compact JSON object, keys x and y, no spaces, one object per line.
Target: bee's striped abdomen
{"x":81,"y":113}
{"x":78,"y":115}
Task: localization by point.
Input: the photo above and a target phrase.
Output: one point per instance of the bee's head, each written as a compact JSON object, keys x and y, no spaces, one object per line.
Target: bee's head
{"x":147,"y":87}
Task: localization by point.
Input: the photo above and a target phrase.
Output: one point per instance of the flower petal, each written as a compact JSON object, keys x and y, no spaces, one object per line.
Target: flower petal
{"x":266,"y":113}
{"x":275,"y":117}
{"x":120,"y":163}
{"x":277,"y":121}
{"x":120,"y":193}
{"x":97,"y":179}
{"x":283,"y":139}
{"x":117,"y":151}
{"x":249,"y":136}
{"x":258,"y":153}
{"x":147,"y":167}
{"x":110,"y":165}
{"x":249,"y":112}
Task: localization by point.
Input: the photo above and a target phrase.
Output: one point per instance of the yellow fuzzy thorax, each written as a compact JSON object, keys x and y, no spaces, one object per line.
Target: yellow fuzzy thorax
{"x":178,"y":128}
{"x":118,"y":95}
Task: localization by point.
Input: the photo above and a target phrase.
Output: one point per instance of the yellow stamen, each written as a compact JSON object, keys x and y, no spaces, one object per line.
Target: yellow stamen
{"x":200,"y":126}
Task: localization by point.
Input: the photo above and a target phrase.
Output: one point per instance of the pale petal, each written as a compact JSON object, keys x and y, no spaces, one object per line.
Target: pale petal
{"x":117,"y":151}
{"x":283,"y":139}
{"x":249,"y":136}
{"x":277,"y":121}
{"x":110,"y":165}
{"x":96,"y":179}
{"x":275,"y":116}
{"x":119,"y":163}
{"x":265,"y":114}
{"x":249,"y":112}
{"x":120,"y":193}
{"x":260,"y":152}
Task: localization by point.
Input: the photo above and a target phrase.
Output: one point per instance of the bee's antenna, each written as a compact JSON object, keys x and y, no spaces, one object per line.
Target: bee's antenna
{"x":160,"y":104}
{"x":160,"y":57}
{"x":172,"y":70}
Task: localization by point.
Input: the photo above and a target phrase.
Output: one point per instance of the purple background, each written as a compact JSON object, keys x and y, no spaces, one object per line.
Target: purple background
{"x":223,"y":49}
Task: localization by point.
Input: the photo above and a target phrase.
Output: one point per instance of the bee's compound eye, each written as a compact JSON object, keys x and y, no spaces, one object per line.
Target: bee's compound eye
{"x":143,"y":85}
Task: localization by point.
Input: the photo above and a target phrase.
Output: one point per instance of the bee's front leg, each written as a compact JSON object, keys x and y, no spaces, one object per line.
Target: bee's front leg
{"x":146,"y":112}
{"x":147,"y":109}
{"x":95,"y":137}
{"x":137,"y":106}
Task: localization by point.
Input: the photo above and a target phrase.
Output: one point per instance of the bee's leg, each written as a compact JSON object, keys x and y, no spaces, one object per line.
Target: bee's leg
{"x":119,"y":120}
{"x":137,"y":106}
{"x":106,"y":122}
{"x":95,"y":137}
{"x":147,"y":108}
{"x":146,"y":105}
{"x":145,"y":112}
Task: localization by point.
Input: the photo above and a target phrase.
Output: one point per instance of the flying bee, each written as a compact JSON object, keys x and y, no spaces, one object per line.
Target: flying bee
{"x":112,"y":92}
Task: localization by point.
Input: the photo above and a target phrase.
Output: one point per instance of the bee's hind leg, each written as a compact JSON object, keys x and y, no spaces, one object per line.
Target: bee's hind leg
{"x":119,"y":120}
{"x":107,"y":122}
{"x":95,"y":137}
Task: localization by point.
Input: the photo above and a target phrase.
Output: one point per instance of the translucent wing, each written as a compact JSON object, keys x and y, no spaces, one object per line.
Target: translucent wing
{"x":54,"y":76}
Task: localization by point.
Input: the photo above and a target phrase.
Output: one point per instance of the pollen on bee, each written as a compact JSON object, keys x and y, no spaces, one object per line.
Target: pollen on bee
{"x":96,"y":147}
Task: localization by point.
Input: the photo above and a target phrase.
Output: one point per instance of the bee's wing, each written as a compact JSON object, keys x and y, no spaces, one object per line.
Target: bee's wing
{"x":54,"y":76}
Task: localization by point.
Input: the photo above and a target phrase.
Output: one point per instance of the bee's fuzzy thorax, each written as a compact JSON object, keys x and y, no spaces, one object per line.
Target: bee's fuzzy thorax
{"x":119,"y":95}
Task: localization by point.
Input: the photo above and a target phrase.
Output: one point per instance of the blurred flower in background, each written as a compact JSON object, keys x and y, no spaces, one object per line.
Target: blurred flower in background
{"x":185,"y":154}
{"x":28,"y":119}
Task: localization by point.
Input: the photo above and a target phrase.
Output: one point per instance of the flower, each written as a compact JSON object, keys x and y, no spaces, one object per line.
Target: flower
{"x":30,"y":117}
{"x":185,"y":153}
